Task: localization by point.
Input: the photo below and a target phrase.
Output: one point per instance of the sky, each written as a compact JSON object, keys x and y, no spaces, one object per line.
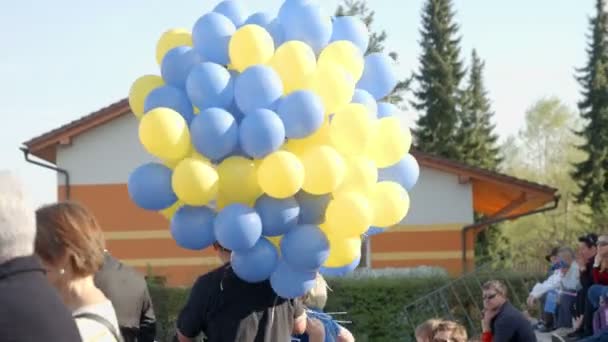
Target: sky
{"x":63,"y":59}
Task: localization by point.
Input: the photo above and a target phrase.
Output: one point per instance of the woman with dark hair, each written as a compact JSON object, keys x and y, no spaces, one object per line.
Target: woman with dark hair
{"x":70,"y":244}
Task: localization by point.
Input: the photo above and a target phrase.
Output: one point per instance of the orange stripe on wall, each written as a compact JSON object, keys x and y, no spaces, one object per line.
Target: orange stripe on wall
{"x":153,"y":248}
{"x":178,"y":275}
{"x":114,"y":209}
{"x":418,"y":241}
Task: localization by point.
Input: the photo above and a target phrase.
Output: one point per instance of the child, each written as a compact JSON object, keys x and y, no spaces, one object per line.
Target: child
{"x":424,"y":332}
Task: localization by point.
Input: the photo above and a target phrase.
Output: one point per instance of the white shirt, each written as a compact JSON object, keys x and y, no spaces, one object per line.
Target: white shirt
{"x":552,"y":283}
{"x":93,"y":331}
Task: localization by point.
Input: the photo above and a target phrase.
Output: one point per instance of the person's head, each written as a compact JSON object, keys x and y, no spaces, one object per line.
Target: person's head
{"x":316,"y":298}
{"x":222,"y":252}
{"x":552,"y":256}
{"x":424,"y":332}
{"x":17,"y":222}
{"x":587,"y":245}
{"x":448,"y":331}
{"x":494,"y":294}
{"x":602,"y":245}
{"x":566,"y":254}
{"x":70,"y":243}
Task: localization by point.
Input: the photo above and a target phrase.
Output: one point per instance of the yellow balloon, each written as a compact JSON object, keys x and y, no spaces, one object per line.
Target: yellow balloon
{"x":238,"y":180}
{"x":389,"y":142}
{"x":169,"y":212}
{"x":348,"y":214}
{"x":276,"y":241}
{"x":361,"y":175}
{"x":334,"y":85}
{"x":347,"y":55}
{"x":195,"y":182}
{"x":319,"y":137}
{"x":281,"y":174}
{"x":343,"y":252}
{"x":171,"y":39}
{"x":250,"y":45}
{"x":295,"y":62}
{"x":195,"y":155}
{"x":164,"y":134}
{"x":351,"y":129}
{"x":390,"y":203}
{"x":324,"y":170}
{"x":140,"y":90}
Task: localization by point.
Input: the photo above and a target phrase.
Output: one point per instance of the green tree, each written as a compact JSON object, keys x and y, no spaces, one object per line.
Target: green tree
{"x":591,"y":173}
{"x":438,"y":96}
{"x":543,"y":151}
{"x":359,"y":8}
{"x":476,"y":137}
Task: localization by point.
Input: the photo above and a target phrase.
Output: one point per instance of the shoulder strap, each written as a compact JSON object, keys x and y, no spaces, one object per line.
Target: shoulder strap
{"x":101,"y":320}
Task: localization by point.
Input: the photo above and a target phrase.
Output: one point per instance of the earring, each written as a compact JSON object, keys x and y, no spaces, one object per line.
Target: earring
{"x":61,"y":271}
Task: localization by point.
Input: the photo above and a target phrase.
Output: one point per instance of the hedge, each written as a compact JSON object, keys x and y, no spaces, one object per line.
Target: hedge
{"x":376,"y":306}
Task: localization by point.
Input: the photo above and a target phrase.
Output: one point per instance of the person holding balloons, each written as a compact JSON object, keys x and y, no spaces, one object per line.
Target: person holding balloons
{"x":226,"y":308}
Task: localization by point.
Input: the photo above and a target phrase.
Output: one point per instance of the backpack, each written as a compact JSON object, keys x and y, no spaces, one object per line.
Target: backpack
{"x":103,"y":321}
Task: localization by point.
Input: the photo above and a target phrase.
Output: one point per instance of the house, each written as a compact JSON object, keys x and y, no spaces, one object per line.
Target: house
{"x":95,"y":154}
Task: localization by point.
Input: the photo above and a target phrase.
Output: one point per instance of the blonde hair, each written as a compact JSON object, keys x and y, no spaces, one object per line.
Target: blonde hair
{"x":317,"y":296}
{"x":426,"y":329}
{"x":457,"y":332}
{"x":495,"y":285}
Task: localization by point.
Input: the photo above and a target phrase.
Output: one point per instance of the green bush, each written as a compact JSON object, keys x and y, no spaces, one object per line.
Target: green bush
{"x":379,"y":307}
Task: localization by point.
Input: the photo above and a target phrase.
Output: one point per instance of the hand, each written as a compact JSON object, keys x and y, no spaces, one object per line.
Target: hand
{"x":486,"y":321}
{"x":577,"y":322}
{"x":531,"y":301}
{"x":315,"y":330}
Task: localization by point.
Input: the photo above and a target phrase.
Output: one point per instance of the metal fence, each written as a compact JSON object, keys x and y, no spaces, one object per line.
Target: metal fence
{"x":460,"y":300}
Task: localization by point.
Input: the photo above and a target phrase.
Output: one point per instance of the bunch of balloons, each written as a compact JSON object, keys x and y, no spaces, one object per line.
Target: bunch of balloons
{"x":273,"y":140}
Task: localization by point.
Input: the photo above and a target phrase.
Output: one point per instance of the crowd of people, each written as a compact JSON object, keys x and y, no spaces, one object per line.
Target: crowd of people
{"x":573,"y":299}
{"x":59,"y":283}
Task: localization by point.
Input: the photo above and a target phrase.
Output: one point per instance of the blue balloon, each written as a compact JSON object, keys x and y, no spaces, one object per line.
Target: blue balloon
{"x":306,"y":21}
{"x":214,"y":133}
{"x":405,"y":172}
{"x":352,"y":29}
{"x":233,"y":10}
{"x":276,"y":31}
{"x":374,"y":231}
{"x":386,"y":109}
{"x":192,"y":227}
{"x":237,"y":227}
{"x":363,"y":97}
{"x":340,"y":271}
{"x":170,"y":97}
{"x":302,"y":113}
{"x":305,"y":248}
{"x":211,"y":35}
{"x":236,"y":112}
{"x":257,"y":263}
{"x":259,"y":86}
{"x":288,"y":283}
{"x":262,"y":19}
{"x":261,"y":133}
{"x":210,"y":85}
{"x":177,"y":63}
{"x":278,"y":215}
{"x":150,"y":187}
{"x":312,"y":207}
{"x":378,"y":76}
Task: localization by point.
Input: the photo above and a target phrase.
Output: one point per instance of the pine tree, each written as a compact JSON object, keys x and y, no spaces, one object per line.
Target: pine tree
{"x":592,"y":173}
{"x":476,"y":137}
{"x":358,"y":8}
{"x":438,"y":96}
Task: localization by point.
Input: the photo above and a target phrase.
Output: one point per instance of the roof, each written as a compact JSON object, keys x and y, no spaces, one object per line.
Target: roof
{"x":494,"y":193}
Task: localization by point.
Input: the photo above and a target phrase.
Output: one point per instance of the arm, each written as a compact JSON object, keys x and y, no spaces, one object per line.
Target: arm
{"x":147,"y":321}
{"x":503,"y":331}
{"x":191,"y":320}
{"x":315,"y":330}
{"x":345,"y":336}
{"x":550,"y":284}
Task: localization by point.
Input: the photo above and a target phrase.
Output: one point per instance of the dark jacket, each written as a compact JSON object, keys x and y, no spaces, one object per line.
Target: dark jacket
{"x":127,"y":290}
{"x":30,"y":308}
{"x":510,"y":325}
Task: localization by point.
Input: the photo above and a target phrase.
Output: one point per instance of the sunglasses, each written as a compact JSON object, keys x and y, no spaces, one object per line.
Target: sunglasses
{"x":490,"y":297}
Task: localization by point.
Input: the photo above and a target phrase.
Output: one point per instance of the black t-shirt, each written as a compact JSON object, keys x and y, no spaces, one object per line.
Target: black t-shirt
{"x":510,"y":325}
{"x":225,"y":308}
